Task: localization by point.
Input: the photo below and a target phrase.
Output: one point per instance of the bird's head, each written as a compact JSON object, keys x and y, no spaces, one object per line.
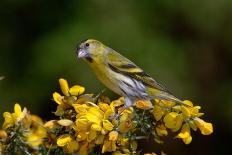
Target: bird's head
{"x":90,"y":50}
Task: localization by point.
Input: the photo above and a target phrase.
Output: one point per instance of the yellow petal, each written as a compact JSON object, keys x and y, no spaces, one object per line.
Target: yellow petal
{"x":82,"y":124}
{"x":167,"y":103}
{"x":65,"y":122}
{"x":93,"y":118}
{"x":64,"y":87}
{"x":57,"y":98}
{"x":82,"y":136}
{"x":195,"y":110}
{"x":72,"y":146}
{"x":113,"y":135}
{"x":109,"y":146}
{"x":34,"y":140}
{"x":187,"y":140}
{"x":143,"y":104}
{"x":51,"y":124}
{"x":63,"y":140}
{"x":185,"y":111}
{"x":9,"y":120}
{"x":103,"y":131}
{"x":108,"y":125}
{"x":96,"y":127}
{"x":92,"y":135}
{"x":3,"y":134}
{"x":17,"y":110}
{"x":185,"y":134}
{"x":158,"y":112}
{"x":96,"y":111}
{"x":106,"y":147}
{"x":76,"y":90}
{"x":117,"y":103}
{"x":99,"y":139}
{"x":173,"y":121}
{"x":80,"y":108}
{"x":103,"y":106}
{"x":108,"y":113}
{"x":161,"y":130}
{"x":205,"y":128}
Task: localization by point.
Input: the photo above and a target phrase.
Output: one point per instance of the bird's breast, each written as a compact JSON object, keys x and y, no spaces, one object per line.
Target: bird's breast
{"x":108,"y":78}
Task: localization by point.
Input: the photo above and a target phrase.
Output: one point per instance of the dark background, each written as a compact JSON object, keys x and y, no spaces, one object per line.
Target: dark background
{"x":186,"y":45}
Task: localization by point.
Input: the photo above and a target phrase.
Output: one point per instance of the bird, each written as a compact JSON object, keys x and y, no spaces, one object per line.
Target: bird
{"x":121,"y":75}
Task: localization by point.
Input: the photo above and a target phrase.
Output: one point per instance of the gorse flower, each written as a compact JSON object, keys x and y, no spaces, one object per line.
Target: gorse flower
{"x":14,"y":118}
{"x":91,"y":124}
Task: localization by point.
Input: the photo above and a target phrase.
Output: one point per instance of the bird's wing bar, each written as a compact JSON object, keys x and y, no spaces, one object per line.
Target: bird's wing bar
{"x":120,"y":64}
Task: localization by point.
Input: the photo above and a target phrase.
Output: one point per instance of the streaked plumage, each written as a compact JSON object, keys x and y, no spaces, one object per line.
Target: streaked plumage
{"x":120,"y":74}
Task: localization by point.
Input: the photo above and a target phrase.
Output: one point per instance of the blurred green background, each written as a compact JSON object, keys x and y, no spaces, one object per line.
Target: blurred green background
{"x":186,"y":45}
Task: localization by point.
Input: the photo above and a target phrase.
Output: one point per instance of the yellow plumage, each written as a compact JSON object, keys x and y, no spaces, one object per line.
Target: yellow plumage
{"x":120,"y":74}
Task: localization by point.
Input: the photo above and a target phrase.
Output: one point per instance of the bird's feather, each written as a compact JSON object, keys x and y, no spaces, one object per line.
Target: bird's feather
{"x":120,"y":64}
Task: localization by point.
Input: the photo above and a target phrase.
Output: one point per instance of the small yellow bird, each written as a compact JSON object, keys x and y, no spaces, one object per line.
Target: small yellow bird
{"x":121,"y":75}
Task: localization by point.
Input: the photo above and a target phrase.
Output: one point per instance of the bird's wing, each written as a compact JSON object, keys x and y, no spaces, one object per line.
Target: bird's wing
{"x":120,"y":64}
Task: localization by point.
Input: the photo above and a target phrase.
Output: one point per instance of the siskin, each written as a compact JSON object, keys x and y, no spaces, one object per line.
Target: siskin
{"x":121,"y":75}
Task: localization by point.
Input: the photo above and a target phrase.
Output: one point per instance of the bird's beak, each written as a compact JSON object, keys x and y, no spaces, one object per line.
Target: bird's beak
{"x":82,"y":53}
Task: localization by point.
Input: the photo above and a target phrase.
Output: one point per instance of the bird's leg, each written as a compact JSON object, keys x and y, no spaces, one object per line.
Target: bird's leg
{"x":128,"y":102}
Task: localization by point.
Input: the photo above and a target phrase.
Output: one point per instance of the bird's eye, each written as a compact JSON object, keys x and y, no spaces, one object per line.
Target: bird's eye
{"x":87,"y":44}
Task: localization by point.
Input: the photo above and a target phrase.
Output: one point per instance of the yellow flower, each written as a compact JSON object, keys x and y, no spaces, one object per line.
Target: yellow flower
{"x":189,"y":103}
{"x":14,"y":118}
{"x":68,"y":143}
{"x":158,"y":112}
{"x":3,"y":134}
{"x":37,"y":132}
{"x":72,"y":147}
{"x":173,"y":121}
{"x":185,"y":111}
{"x":64,"y":87}
{"x":143,"y":104}
{"x":118,"y":102}
{"x":74,"y":90}
{"x":190,"y":110}
{"x":57,"y":98}
{"x":91,"y":123}
{"x":51,"y":124}
{"x":113,"y":135}
{"x":63,"y":140}
{"x":126,"y":123}
{"x":185,"y":134}
{"x":205,"y":128}
{"x":36,"y":138}
{"x":109,"y":146}
{"x":161,"y":130}
{"x":108,"y":125}
{"x":100,"y":139}
{"x":166,"y":103}
{"x":9,"y":120}
{"x":80,"y":108}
